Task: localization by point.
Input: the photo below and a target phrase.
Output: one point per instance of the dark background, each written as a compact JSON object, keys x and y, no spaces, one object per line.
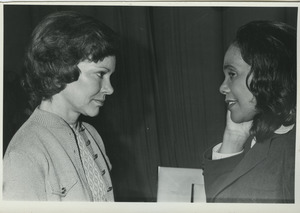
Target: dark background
{"x":166,"y":108}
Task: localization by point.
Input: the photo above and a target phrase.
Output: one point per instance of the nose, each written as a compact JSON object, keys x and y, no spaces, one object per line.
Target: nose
{"x":224,"y":89}
{"x":107,"y":88}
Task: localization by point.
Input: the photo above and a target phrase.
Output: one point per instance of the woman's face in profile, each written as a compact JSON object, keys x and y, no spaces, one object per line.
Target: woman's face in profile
{"x":87,"y":94}
{"x":240,"y":101}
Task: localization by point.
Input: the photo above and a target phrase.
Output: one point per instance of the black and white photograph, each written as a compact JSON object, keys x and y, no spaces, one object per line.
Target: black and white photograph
{"x":151,"y":104}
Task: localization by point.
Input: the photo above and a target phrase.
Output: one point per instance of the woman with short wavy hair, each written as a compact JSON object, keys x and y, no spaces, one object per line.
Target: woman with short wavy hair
{"x":55,"y":156}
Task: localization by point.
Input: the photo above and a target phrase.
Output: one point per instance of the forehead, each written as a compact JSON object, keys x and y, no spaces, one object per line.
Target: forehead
{"x":234,"y":58}
{"x":108,"y":62}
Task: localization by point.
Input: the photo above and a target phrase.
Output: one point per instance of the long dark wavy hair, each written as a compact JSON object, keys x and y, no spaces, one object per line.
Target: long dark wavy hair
{"x":270,"y":49}
{"x":58,"y":43}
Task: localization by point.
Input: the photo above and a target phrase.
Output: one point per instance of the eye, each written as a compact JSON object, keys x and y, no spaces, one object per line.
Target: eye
{"x":231,"y":74}
{"x":101,"y":74}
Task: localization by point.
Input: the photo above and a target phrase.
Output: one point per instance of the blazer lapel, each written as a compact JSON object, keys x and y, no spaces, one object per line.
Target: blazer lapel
{"x":253,"y":157}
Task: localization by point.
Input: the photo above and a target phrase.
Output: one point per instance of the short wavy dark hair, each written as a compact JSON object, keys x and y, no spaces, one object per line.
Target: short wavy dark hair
{"x":270,"y":49}
{"x":58,"y":43}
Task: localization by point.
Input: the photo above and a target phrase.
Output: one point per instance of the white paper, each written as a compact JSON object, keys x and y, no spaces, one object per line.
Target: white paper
{"x":175,"y":185}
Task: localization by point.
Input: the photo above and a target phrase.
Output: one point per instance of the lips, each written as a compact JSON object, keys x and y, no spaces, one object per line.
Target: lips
{"x":100,"y":102}
{"x":230,"y":103}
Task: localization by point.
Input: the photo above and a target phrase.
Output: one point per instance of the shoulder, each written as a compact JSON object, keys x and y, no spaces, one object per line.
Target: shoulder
{"x":27,"y":136}
{"x":285,"y":140}
{"x":33,"y":138}
{"x":284,"y":145}
{"x":25,"y":148}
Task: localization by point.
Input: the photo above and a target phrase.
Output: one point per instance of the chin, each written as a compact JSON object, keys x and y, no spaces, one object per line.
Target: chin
{"x":239,"y":118}
{"x":92,"y":113}
{"x":236,"y":120}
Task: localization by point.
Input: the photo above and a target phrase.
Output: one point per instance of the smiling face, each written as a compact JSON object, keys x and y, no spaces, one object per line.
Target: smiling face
{"x":239,"y":99}
{"x":87,"y":94}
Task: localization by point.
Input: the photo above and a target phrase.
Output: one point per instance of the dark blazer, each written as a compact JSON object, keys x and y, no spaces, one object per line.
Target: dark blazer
{"x":263,"y":174}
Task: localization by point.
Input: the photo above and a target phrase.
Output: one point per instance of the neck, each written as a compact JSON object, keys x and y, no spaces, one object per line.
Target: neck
{"x":52,"y":106}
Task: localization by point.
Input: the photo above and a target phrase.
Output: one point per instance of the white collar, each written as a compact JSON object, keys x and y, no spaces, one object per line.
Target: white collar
{"x":281,"y":130}
{"x":284,"y":129}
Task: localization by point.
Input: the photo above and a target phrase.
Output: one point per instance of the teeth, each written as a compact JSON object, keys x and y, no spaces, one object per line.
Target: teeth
{"x":230,"y":103}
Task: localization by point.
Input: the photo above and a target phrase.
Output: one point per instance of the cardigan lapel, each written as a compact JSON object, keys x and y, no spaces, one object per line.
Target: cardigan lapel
{"x":253,"y":157}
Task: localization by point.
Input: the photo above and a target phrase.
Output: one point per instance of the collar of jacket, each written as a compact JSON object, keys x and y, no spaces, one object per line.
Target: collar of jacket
{"x":48,"y":119}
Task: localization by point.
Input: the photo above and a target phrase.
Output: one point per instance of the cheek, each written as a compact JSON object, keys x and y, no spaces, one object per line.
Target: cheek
{"x":92,"y":88}
{"x":96,"y":87}
{"x":241,"y":88}
{"x":249,"y":106}
{"x":249,"y":97}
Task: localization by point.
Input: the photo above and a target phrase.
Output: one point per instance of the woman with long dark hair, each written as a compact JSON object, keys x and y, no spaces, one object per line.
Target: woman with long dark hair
{"x":256,"y":160}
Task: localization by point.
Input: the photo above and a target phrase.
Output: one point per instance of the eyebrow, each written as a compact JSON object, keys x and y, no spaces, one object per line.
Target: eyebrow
{"x":101,"y":69}
{"x":228,"y":66}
